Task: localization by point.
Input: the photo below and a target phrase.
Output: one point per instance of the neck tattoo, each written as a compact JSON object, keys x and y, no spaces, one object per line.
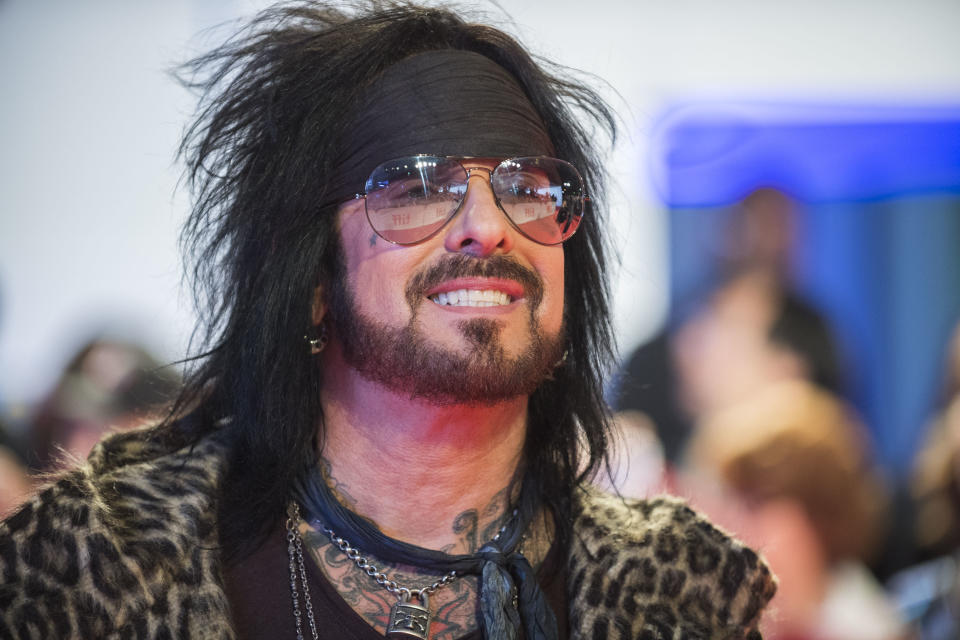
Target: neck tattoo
{"x":408,"y":621}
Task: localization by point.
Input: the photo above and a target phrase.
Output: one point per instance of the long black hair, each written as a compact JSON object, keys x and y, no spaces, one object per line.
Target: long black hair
{"x":272,"y":101}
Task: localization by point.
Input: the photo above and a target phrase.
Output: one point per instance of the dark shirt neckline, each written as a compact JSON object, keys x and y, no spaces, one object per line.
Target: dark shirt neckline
{"x":258,"y":590}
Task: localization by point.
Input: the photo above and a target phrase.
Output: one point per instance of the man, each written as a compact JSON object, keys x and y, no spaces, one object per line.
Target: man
{"x":405,"y":346}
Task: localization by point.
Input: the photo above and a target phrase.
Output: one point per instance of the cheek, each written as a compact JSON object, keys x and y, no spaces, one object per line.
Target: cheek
{"x":375,"y":270}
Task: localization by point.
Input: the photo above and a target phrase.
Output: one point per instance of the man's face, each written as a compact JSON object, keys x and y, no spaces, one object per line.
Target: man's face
{"x":474,"y":314}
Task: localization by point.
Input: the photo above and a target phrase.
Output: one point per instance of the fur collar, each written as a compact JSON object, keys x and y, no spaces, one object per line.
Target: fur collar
{"x":127,"y":545}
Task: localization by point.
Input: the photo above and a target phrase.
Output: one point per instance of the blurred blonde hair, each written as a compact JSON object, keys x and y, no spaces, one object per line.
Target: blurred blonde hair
{"x":793,"y":440}
{"x":935,"y":483}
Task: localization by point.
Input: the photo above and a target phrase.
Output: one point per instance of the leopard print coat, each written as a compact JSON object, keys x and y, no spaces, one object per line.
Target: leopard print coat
{"x":126,"y":547}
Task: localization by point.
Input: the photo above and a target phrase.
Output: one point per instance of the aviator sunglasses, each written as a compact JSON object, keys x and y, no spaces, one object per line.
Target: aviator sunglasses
{"x":410,"y":199}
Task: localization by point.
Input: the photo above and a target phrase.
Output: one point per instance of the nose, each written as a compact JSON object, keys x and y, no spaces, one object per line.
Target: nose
{"x":479,"y":228}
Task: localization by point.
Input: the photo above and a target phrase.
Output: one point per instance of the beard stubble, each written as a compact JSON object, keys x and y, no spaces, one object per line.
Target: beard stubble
{"x":406,"y":360}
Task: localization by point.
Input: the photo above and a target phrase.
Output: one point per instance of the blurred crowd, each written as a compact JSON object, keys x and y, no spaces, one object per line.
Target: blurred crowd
{"x":739,"y":406}
{"x":108,"y":385}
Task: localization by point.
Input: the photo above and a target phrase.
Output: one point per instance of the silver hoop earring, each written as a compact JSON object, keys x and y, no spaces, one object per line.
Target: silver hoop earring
{"x":318,"y":343}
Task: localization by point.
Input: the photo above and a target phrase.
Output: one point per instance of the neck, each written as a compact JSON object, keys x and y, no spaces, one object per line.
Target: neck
{"x":385,"y":452}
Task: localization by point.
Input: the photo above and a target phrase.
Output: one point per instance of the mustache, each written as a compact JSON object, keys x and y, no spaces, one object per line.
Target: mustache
{"x":463,"y":266}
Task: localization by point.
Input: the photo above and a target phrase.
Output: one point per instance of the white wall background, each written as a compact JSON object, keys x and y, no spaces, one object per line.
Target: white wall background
{"x":89,"y":123}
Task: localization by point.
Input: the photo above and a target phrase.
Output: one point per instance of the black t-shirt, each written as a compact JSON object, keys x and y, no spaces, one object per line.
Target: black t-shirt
{"x":258,"y":588}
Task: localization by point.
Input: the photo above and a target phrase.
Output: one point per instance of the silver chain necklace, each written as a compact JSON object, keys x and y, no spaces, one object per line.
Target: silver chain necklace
{"x":407,"y":620}
{"x":295,"y":553}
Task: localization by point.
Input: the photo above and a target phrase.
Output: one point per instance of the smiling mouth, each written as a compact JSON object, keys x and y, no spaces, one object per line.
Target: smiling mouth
{"x":472,"y":298}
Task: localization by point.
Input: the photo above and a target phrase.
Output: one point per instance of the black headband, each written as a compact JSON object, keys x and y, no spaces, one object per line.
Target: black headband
{"x":446,"y":102}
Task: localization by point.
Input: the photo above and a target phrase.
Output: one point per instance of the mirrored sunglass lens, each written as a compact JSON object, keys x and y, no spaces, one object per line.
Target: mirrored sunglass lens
{"x":409,"y":199}
{"x":543,"y":197}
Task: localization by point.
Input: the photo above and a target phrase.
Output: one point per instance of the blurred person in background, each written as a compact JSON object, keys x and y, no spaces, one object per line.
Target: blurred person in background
{"x":107,"y":386}
{"x":800,"y":462}
{"x":935,"y":484}
{"x":724,"y":348}
{"x":760,"y":234}
{"x":749,"y":333}
{"x":929,"y":591}
{"x":15,"y":483}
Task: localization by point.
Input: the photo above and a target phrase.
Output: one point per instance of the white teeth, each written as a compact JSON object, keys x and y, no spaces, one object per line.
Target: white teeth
{"x":472,"y":298}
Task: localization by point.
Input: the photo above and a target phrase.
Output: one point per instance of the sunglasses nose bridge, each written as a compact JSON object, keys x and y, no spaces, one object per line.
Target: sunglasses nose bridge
{"x":470,"y":171}
{"x":488,"y":179}
{"x":479,"y":225}
{"x":485,"y":177}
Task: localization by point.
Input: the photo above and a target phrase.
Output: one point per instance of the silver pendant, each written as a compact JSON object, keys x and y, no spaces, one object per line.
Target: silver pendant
{"x":409,"y":621}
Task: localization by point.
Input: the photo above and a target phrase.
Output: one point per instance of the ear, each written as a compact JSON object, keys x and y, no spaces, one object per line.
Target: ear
{"x":318,"y":308}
